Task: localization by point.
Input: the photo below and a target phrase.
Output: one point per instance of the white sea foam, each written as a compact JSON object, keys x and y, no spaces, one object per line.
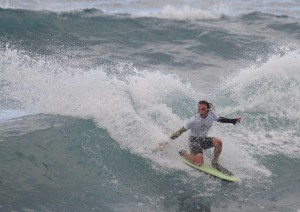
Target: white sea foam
{"x":268,"y":96}
{"x":136,"y":107}
{"x":183,"y":13}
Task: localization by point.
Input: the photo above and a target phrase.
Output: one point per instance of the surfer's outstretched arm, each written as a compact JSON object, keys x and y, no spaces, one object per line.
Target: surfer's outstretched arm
{"x":177,"y":133}
{"x":227,"y":120}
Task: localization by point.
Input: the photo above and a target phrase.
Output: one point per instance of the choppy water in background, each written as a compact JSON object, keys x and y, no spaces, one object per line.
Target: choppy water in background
{"x":88,"y":89}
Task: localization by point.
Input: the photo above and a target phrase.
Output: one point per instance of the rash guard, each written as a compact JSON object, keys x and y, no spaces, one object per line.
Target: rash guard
{"x":199,"y":126}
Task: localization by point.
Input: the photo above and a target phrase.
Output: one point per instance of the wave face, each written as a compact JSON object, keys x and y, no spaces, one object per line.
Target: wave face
{"x":87,"y":94}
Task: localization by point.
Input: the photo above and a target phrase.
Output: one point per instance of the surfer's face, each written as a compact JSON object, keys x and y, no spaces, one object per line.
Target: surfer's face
{"x":202,"y":110}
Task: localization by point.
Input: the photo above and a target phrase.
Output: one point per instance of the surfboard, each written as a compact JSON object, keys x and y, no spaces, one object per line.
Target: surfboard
{"x":209,"y":169}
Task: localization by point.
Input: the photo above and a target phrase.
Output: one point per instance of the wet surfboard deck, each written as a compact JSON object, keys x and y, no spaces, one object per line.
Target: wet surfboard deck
{"x":222,"y":173}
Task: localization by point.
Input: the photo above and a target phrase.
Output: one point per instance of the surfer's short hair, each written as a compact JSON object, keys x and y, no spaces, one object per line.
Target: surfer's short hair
{"x":209,"y":105}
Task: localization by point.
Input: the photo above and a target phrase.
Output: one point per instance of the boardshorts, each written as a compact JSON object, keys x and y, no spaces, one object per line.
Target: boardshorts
{"x":197,"y":144}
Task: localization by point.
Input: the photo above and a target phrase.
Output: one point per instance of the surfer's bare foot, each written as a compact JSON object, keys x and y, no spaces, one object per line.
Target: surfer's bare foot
{"x":220,"y":168}
{"x":214,"y":163}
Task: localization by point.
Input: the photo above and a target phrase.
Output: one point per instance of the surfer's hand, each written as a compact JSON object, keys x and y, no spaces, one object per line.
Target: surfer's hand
{"x":160,"y":146}
{"x":238,"y":119}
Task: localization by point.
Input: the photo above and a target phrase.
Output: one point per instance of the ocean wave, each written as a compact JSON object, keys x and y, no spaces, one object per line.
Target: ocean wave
{"x":87,"y":94}
{"x":268,"y":96}
{"x":177,"y":10}
{"x":138,"y":108}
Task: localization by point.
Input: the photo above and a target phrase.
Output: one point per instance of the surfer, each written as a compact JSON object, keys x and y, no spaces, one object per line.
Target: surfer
{"x":199,"y":126}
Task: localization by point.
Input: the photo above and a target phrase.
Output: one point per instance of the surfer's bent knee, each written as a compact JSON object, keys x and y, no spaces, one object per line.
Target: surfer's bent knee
{"x":217,"y":142}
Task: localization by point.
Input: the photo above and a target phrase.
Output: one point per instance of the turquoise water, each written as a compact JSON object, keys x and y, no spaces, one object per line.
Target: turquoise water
{"x":89,"y":88}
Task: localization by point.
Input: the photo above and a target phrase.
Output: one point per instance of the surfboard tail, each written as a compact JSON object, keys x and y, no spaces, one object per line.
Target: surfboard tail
{"x":222,"y":169}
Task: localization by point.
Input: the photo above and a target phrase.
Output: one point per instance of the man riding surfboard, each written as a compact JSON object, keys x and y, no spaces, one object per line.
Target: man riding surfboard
{"x":199,"y":125}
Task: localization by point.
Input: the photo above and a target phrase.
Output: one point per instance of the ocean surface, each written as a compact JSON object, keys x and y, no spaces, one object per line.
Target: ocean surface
{"x":89,"y":88}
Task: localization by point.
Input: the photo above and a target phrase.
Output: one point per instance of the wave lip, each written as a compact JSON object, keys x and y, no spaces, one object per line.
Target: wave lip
{"x":184,"y":13}
{"x":169,"y":9}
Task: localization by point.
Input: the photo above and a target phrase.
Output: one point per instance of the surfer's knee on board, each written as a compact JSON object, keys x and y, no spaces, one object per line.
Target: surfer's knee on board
{"x":197,"y":159}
